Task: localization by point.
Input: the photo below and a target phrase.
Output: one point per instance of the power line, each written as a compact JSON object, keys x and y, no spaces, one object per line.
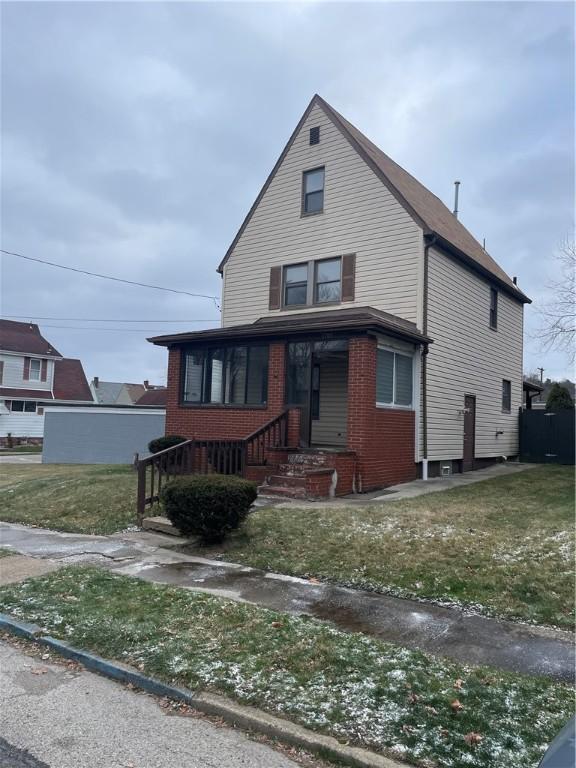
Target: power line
{"x":108,"y":277}
{"x":117,"y":330}
{"x":107,"y":319}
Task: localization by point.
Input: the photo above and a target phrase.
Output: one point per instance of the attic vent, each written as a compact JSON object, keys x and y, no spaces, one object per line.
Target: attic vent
{"x":315,"y":135}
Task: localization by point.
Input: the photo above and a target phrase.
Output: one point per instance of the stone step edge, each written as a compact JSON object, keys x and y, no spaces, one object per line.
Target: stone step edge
{"x":249,"y":718}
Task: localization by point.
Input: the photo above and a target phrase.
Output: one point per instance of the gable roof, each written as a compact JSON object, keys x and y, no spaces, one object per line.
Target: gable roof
{"x":25,"y":338}
{"x":436,"y":220}
{"x":70,"y":381}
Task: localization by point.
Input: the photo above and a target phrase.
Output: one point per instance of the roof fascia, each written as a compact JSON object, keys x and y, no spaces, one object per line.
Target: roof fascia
{"x":451,"y":250}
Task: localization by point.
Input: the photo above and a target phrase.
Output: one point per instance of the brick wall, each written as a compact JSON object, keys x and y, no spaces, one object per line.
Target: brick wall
{"x":383,"y":438}
{"x":225,"y":422}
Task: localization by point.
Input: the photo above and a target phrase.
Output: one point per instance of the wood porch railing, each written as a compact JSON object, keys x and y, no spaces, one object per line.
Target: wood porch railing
{"x":204,"y":457}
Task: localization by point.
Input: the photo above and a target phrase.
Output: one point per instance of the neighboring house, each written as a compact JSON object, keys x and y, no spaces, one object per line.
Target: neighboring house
{"x":356,"y":300}
{"x":32,"y":375}
{"x":155,"y":397}
{"x":120,"y":392}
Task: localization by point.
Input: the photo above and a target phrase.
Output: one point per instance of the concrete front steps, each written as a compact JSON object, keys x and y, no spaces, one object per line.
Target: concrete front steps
{"x":311,"y":474}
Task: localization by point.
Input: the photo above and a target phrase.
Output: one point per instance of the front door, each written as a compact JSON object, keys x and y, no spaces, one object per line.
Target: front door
{"x":469,"y":433}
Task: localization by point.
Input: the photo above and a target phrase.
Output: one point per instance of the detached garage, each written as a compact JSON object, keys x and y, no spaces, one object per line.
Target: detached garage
{"x":99,"y":434}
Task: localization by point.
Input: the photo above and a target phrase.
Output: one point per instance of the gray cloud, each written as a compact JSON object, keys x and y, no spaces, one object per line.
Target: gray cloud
{"x":136,"y":136}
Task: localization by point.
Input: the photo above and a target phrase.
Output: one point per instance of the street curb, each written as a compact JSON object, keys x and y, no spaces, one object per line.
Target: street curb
{"x":240,"y":715}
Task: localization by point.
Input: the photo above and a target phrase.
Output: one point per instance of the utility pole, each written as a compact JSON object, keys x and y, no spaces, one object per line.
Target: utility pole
{"x":541,"y":382}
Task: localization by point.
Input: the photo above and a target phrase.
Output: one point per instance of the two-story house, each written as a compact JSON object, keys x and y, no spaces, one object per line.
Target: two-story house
{"x":33,"y":374}
{"x":356,"y":301}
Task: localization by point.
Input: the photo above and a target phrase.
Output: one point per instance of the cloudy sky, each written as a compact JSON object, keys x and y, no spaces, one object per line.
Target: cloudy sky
{"x":136,"y":136}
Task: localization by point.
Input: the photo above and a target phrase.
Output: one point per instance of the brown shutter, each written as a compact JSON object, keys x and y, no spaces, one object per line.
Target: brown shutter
{"x":1,"y":371}
{"x":275,"y":288}
{"x":348,"y":276}
{"x":44,"y":370}
{"x":26,"y":374}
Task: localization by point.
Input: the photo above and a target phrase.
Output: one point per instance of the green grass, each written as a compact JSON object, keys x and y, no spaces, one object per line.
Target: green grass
{"x":22,"y":449}
{"x":503,"y":546}
{"x":357,"y":688}
{"x":6,"y":552}
{"x":73,"y":498}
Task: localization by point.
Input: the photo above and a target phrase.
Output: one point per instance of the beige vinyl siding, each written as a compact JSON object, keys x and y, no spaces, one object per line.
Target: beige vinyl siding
{"x":331,"y":427}
{"x":360,"y":216}
{"x":468,"y":357}
{"x":14,"y":372}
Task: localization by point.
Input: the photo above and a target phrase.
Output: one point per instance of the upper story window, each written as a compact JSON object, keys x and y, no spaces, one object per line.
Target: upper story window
{"x":35,"y":370}
{"x":506,"y":396}
{"x":313,"y":191}
{"x":394,"y":379}
{"x":493,"y":308}
{"x":327,"y":280}
{"x":232,"y":375}
{"x":296,"y":285}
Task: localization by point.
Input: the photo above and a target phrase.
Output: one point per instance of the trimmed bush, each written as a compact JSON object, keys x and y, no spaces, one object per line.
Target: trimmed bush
{"x":161,"y":443}
{"x":208,"y":506}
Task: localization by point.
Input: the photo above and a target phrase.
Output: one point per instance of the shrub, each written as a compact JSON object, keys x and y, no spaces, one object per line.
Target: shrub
{"x":559,"y":398}
{"x":208,"y":506}
{"x":161,"y":443}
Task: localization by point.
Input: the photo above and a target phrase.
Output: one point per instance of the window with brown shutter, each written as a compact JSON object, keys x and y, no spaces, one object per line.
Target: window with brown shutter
{"x":44,"y":372}
{"x":26,"y":374}
{"x":1,"y":371}
{"x":348,"y":276}
{"x":275,"y":288}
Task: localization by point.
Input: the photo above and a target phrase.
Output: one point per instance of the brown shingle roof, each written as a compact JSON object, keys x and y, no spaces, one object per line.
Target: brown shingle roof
{"x":70,"y":381}
{"x":426,"y":208}
{"x":154,"y":397}
{"x":25,"y":338}
{"x":26,"y":394}
{"x":349,"y":319}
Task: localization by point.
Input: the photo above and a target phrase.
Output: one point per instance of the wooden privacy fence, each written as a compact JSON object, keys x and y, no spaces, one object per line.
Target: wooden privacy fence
{"x":204,"y":457}
{"x":547,"y":436}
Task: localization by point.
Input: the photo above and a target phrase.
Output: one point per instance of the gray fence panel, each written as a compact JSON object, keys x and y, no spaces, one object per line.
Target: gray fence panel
{"x":98,"y":438}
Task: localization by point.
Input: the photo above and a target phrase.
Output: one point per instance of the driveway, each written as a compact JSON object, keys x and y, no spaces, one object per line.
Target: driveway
{"x":60,"y":716}
{"x":21,"y":458}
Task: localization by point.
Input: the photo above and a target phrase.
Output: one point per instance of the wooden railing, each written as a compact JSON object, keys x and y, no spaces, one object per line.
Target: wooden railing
{"x":274,"y":434}
{"x":203,"y":457}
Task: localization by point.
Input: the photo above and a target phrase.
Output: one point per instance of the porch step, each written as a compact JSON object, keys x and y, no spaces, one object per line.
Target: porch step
{"x":308,"y":460}
{"x":287,"y":481}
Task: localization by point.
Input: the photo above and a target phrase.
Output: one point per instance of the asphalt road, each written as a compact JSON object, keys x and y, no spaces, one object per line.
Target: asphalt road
{"x":52,"y":716}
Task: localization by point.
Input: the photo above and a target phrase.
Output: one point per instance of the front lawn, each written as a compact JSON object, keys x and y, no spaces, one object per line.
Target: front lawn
{"x":408,"y":704}
{"x":504,"y":546}
{"x":75,"y":498}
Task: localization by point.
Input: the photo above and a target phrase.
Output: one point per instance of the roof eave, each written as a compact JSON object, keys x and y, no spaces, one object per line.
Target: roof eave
{"x":513,"y":291}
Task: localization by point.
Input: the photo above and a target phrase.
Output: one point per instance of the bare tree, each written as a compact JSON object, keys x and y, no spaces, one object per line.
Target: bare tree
{"x":558,"y":314}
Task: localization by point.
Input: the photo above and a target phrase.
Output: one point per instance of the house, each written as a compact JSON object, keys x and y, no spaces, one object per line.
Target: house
{"x":33,"y":374}
{"x":121,"y":392}
{"x":355,"y":301}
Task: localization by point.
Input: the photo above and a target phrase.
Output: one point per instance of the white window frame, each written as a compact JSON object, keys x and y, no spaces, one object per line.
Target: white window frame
{"x":411,"y":356}
{"x":31,"y":377}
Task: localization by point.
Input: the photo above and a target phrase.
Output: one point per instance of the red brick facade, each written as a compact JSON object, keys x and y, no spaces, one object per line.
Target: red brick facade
{"x":380,"y":440}
{"x":383,"y":438}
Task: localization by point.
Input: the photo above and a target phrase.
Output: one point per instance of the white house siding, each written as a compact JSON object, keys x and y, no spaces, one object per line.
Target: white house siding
{"x":360,"y":216}
{"x":13,"y":373}
{"x":468,"y":357}
{"x":21,"y":424}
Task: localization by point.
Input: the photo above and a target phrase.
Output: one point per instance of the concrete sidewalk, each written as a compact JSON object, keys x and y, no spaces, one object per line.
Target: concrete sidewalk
{"x":444,"y":631}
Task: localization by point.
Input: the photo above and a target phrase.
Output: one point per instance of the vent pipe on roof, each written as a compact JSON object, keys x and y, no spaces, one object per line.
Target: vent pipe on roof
{"x":515,"y":280}
{"x":456,"y":189}
{"x":96,"y":382}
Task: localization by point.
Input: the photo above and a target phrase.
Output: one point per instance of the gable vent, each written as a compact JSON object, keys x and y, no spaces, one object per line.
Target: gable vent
{"x":315,"y":135}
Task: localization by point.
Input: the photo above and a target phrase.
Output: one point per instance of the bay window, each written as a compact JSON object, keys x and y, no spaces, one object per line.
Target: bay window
{"x":231,"y":375}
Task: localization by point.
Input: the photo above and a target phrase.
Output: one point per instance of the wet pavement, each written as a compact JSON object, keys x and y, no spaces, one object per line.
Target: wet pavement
{"x":440,"y":630}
